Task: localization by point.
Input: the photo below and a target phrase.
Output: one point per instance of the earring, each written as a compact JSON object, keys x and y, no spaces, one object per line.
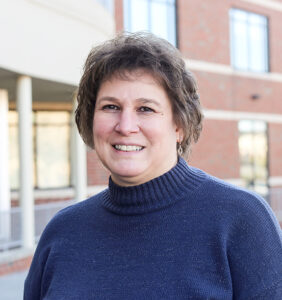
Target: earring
{"x":179,"y":149}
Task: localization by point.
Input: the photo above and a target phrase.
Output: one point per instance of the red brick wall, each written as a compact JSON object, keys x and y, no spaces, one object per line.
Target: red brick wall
{"x":38,"y":201}
{"x":15,"y":266}
{"x":119,"y":15}
{"x":275,"y":149}
{"x":199,"y":23}
{"x":96,"y":173}
{"x":217,"y":150}
{"x":219,"y":91}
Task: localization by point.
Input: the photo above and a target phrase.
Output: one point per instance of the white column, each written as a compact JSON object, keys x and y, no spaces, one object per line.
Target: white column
{"x":24,"y":106}
{"x":5,"y":200}
{"x":79,"y":162}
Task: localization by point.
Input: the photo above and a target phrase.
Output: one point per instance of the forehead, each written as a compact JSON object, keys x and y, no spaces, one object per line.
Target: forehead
{"x":139,"y":80}
{"x":133,"y":75}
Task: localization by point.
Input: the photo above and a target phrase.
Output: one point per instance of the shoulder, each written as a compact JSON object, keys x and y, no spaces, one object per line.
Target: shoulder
{"x":252,"y":238}
{"x":62,"y":231}
{"x":237,"y":211}
{"x":80,"y":207}
{"x":73,"y":216}
{"x":222,"y":194}
{"x":67,"y":224}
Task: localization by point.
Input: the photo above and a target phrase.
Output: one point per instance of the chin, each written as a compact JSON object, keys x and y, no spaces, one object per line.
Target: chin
{"x":129,"y":168}
{"x":127,"y":171}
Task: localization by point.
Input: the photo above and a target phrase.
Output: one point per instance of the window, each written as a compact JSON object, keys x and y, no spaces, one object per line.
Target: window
{"x":51,"y":133}
{"x":156,"y":16}
{"x":108,"y":4}
{"x":52,"y":143}
{"x":249,"y":41}
{"x":253,"y":148}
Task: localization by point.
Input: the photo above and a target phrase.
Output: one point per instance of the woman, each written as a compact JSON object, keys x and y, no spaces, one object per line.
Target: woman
{"x":162,"y":229}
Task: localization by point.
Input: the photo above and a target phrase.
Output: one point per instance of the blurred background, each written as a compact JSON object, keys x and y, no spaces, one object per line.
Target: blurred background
{"x":232,"y":47}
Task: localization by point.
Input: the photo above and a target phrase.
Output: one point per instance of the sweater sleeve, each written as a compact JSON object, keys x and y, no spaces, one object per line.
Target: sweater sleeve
{"x":33,"y":282}
{"x":37,"y":282}
{"x":255,"y":251}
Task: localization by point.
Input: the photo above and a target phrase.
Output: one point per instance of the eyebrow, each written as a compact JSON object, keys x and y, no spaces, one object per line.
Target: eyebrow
{"x":146,"y":100}
{"x":142,"y":100}
{"x":107,"y":98}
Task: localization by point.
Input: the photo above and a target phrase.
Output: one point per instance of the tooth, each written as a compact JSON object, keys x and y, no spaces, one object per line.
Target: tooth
{"x":128,"y":148}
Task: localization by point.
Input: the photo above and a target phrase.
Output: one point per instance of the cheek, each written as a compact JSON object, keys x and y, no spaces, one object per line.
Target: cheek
{"x":161,"y":126}
{"x":161,"y":134}
{"x":101,"y":129}
{"x":167,"y":130}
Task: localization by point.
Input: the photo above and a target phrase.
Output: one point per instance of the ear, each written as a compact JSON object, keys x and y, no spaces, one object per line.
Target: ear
{"x":179,"y":134}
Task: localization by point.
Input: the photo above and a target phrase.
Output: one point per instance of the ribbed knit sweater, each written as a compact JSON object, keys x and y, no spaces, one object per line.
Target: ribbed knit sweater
{"x":183,"y":235}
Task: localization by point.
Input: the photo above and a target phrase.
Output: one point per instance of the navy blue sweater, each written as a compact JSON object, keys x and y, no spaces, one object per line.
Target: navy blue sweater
{"x":183,"y":235}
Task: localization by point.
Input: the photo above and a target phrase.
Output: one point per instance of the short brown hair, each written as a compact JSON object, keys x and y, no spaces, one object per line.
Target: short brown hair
{"x":131,"y":51}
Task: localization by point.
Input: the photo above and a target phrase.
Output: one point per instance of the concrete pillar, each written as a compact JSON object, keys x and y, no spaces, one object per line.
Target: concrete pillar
{"x":24,"y":106}
{"x":5,"y":200}
{"x":79,"y":162}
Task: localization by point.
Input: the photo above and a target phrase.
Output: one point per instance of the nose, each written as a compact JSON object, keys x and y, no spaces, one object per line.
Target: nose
{"x":127,"y":123}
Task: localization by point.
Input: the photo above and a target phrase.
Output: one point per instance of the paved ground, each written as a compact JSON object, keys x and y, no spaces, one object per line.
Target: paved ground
{"x":11,"y":286}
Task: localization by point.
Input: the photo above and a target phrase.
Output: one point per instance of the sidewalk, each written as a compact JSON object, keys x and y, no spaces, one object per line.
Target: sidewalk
{"x":11,"y":286}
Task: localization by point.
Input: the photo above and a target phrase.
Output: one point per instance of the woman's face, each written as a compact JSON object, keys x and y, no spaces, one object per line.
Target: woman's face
{"x":134,"y":132}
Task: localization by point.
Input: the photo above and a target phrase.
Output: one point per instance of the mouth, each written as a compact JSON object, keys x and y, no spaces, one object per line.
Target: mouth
{"x":128,"y":148}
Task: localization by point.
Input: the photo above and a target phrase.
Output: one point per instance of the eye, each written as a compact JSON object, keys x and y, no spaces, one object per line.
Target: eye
{"x":110,"y":107}
{"x":145,"y":109}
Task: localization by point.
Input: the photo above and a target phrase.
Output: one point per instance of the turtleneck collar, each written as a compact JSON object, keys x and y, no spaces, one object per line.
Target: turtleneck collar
{"x":155,"y":194}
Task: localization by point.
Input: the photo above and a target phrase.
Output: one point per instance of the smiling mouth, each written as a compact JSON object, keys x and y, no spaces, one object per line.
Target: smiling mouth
{"x":128,"y":148}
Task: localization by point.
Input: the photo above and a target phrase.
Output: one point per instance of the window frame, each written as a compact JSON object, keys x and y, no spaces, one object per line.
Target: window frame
{"x":35,"y":124}
{"x":127,"y":20}
{"x":232,"y":41}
